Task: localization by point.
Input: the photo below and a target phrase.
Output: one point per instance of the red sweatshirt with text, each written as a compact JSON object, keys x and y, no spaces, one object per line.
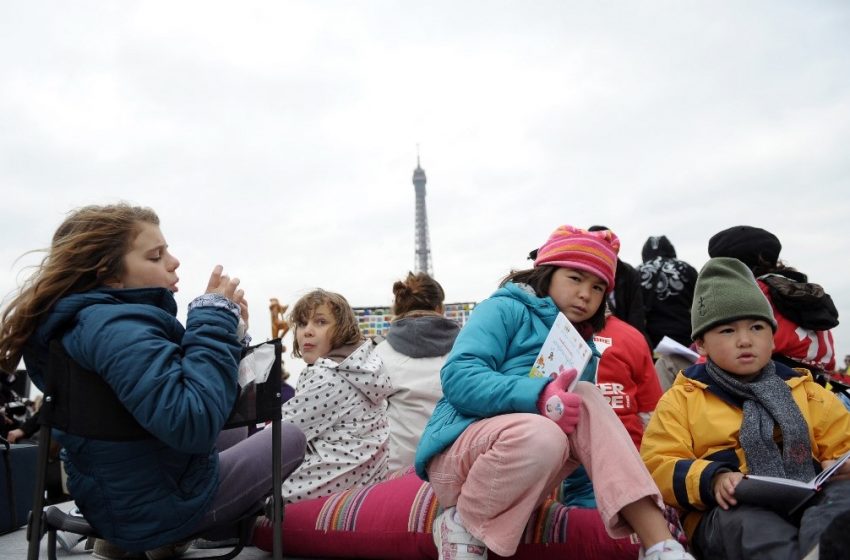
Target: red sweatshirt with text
{"x":626,"y":374}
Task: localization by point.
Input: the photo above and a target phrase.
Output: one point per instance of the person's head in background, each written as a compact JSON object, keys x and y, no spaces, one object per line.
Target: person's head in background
{"x":732,"y":321}
{"x":323,"y":321}
{"x":657,"y":246}
{"x":755,"y":247}
{"x":417,"y":292}
{"x":576,"y":268}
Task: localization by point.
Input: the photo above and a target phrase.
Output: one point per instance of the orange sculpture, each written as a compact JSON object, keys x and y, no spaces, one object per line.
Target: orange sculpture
{"x":279,"y":325}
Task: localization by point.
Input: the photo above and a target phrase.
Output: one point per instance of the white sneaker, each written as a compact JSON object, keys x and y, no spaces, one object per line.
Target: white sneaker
{"x":68,"y":540}
{"x":453,"y":540}
{"x":672,"y":550}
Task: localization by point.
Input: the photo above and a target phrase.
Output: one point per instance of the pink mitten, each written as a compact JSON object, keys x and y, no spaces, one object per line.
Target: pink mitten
{"x":558,"y":404}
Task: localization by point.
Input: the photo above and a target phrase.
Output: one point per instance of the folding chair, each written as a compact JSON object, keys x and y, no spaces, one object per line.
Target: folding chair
{"x":69,"y":388}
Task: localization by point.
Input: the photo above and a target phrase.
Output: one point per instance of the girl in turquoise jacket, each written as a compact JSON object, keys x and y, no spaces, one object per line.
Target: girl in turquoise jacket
{"x":105,"y":291}
{"x":500,"y":441}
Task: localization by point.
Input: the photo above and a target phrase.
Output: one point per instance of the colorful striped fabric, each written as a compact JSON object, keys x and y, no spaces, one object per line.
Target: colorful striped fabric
{"x":340,"y":512}
{"x":394,"y":519}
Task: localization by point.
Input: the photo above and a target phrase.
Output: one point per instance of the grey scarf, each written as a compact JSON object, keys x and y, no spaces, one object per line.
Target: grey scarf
{"x":767,"y":400}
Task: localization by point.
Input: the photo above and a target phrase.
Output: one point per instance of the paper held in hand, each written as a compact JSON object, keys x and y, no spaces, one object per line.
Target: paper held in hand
{"x":563,"y":349}
{"x":783,"y":494}
{"x":669,"y":346}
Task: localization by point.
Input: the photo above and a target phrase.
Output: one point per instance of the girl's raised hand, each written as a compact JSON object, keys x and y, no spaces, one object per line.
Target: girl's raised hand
{"x":239,"y":299}
{"x":225,"y":285}
{"x":243,"y":305}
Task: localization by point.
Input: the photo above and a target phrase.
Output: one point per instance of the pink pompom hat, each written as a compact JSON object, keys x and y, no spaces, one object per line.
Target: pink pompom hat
{"x":588,"y":251}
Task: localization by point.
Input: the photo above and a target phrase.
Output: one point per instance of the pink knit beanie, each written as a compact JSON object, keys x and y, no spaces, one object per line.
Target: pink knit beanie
{"x":589,"y":251}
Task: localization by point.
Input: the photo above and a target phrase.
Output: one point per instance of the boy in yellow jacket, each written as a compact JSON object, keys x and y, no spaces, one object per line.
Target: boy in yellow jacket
{"x":742,"y":413}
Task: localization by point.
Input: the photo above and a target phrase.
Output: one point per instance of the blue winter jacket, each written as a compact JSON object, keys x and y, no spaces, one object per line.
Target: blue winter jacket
{"x":179,"y":384}
{"x":486,"y":373}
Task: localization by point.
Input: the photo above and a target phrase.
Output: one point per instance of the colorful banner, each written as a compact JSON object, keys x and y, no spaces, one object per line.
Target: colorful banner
{"x":375,"y":321}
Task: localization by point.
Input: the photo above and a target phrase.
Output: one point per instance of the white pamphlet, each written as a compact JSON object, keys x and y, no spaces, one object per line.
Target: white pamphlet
{"x":563,"y":349}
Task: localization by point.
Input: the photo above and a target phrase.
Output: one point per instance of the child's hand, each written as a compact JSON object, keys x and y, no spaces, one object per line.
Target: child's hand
{"x":242,"y":329}
{"x":843,"y":472}
{"x":225,"y":285}
{"x":239,"y":299}
{"x":558,"y":404}
{"x":15,"y":435}
{"x":724,"y":488}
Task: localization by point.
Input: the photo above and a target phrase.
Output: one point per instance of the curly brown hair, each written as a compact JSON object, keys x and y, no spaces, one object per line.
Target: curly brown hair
{"x":417,"y":292}
{"x":345,"y":330}
{"x":87,"y":250}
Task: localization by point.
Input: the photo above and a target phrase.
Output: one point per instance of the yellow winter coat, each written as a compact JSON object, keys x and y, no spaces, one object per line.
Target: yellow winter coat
{"x":694,"y":433}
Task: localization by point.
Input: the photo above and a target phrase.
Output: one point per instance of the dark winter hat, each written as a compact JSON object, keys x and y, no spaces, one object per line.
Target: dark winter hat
{"x":727,"y":291}
{"x":657,"y":246}
{"x":745,"y":243}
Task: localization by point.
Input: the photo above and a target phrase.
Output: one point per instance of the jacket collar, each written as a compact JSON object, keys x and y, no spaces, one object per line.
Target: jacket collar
{"x":698,"y":373}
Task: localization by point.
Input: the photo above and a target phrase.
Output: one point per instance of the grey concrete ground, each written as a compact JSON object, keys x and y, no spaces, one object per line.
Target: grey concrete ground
{"x":13,"y":546}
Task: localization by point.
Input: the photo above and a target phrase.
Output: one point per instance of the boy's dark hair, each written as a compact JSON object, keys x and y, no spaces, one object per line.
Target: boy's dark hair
{"x":539,"y":278}
{"x":345,"y":331}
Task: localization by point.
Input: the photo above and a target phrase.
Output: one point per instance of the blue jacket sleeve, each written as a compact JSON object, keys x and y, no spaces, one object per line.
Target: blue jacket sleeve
{"x":180,"y":386}
{"x":480,"y":377}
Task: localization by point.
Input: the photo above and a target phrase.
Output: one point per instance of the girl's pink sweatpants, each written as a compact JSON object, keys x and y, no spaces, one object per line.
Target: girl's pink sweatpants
{"x":503,"y":467}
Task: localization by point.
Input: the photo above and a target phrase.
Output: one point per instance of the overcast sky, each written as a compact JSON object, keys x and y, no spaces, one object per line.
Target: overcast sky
{"x":279,"y":138}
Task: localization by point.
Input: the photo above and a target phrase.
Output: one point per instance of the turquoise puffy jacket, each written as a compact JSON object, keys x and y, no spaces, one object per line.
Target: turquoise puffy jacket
{"x":486,"y":373}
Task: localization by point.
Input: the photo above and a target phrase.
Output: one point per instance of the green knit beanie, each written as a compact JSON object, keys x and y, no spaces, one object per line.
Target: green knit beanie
{"x":727,"y":291}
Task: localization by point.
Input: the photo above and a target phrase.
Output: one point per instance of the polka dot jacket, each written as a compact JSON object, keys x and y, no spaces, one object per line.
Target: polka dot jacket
{"x":342,"y":409}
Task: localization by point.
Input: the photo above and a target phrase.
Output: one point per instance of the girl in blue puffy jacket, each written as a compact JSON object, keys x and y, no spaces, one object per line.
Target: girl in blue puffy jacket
{"x":105,"y":290}
{"x":499,"y":441}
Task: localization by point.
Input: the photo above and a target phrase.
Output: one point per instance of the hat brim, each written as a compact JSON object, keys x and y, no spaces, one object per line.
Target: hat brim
{"x":773,"y":325}
{"x":582,"y":267}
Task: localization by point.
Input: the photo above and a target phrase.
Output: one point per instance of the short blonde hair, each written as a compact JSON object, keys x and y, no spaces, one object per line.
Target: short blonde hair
{"x":345,"y":330}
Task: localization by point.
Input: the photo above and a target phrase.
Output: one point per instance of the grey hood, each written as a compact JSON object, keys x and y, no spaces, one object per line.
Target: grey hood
{"x":424,"y":336}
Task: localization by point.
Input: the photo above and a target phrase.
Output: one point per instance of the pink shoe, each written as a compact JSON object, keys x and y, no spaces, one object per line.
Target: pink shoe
{"x":453,"y":540}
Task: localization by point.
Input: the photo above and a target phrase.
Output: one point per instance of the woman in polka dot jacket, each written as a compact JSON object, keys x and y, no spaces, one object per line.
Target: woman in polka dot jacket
{"x":340,"y":402}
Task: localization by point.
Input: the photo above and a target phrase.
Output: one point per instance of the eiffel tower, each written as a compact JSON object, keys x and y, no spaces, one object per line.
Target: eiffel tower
{"x":422,"y":250}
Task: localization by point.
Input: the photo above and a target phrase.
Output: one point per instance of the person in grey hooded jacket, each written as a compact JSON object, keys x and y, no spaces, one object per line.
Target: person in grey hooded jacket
{"x":418,"y":341}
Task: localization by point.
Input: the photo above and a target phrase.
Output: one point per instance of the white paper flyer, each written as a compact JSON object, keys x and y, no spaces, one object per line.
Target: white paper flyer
{"x":563,"y":349}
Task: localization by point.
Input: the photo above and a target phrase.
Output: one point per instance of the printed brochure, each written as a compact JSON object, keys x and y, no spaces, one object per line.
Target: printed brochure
{"x":563,"y":349}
